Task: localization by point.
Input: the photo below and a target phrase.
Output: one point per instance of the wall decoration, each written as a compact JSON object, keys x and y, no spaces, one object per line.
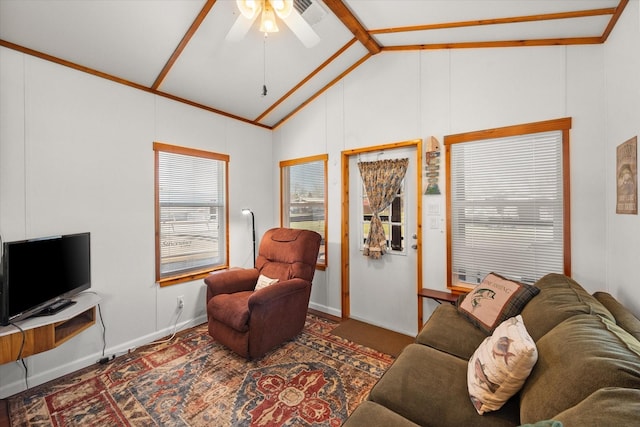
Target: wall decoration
{"x":627,"y":177}
{"x":433,"y":166}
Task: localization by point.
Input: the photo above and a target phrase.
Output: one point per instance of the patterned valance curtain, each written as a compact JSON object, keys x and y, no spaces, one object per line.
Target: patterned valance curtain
{"x":381,"y":180}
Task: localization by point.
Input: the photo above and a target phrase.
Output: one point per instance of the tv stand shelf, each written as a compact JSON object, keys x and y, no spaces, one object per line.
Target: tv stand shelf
{"x":47,"y":332}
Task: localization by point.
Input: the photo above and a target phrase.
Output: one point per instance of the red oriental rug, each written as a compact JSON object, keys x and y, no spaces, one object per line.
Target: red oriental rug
{"x":317,"y":379}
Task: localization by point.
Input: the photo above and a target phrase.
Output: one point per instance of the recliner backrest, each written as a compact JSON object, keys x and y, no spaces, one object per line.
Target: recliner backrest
{"x":287,"y":253}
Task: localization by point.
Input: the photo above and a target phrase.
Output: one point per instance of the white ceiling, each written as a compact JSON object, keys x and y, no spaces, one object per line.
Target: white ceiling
{"x":148,"y":43}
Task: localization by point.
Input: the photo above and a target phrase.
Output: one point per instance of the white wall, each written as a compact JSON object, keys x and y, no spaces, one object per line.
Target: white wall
{"x":406,"y":95}
{"x":622,"y":111}
{"x":76,"y":155}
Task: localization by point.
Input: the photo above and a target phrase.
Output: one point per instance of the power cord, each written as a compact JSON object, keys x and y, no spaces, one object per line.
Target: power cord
{"x":104,"y":359}
{"x":175,"y":327}
{"x":19,"y":357}
{"x":104,"y":331}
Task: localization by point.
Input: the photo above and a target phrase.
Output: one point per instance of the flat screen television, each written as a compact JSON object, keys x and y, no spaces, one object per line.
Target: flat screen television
{"x":39,"y":276}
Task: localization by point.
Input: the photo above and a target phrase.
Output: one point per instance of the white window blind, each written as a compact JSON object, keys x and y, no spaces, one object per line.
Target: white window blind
{"x":303,"y":196}
{"x":191,"y":212}
{"x":507,"y":207}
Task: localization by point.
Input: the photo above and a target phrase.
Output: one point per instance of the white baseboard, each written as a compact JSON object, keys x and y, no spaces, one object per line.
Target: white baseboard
{"x":325,"y":309}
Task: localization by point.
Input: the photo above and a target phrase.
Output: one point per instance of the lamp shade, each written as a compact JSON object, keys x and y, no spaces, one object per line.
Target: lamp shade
{"x":249,"y":8}
{"x":247,"y":211}
{"x":268,"y":19}
{"x":282,"y":8}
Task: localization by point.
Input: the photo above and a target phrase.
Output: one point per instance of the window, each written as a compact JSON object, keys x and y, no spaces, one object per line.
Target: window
{"x":191,"y":213}
{"x":393,"y":221}
{"x":303,"y":188}
{"x":508,"y":203}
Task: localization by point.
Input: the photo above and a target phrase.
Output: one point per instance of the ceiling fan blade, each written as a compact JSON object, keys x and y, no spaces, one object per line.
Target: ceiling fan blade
{"x":240,"y":28}
{"x":302,"y":29}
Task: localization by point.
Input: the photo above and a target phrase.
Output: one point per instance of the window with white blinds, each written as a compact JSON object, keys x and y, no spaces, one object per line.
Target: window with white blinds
{"x":190,"y":212}
{"x":304,"y":203}
{"x":507,"y":207}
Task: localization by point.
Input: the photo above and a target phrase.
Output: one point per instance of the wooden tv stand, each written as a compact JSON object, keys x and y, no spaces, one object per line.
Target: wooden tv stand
{"x":47,"y":332}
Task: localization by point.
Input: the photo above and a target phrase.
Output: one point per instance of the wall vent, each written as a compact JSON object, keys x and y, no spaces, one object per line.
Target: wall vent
{"x":311,"y":10}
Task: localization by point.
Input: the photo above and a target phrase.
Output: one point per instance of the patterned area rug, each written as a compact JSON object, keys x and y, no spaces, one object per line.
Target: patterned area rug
{"x":318,"y":379}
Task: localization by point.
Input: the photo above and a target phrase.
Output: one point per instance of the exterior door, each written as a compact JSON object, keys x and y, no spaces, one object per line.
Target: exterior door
{"x":383,"y":291}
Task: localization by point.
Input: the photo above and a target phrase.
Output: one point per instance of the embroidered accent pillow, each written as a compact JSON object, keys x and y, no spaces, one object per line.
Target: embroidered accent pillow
{"x":264,"y":281}
{"x":495,"y":300}
{"x":500,"y":365}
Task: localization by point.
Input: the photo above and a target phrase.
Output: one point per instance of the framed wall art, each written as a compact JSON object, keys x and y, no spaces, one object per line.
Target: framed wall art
{"x":627,"y":177}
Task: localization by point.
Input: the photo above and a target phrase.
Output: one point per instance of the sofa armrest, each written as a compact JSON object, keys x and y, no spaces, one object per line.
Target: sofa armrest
{"x":450,"y":332}
{"x":624,"y":318}
{"x":231,"y":281}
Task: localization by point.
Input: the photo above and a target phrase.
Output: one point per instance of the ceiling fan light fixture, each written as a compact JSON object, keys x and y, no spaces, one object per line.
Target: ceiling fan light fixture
{"x":283,"y":8}
{"x":249,"y":8}
{"x":268,"y":19}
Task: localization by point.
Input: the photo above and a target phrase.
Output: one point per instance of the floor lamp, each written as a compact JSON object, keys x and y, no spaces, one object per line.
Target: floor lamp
{"x":253,"y":228}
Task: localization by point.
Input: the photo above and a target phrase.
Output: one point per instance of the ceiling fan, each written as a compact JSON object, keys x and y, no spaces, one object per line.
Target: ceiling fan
{"x":289,"y":13}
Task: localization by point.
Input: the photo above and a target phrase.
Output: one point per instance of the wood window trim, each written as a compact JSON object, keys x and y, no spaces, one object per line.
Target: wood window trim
{"x":298,"y":161}
{"x":198,"y":274}
{"x":563,"y":125}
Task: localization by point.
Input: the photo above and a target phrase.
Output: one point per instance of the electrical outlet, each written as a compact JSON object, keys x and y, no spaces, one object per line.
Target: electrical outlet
{"x":181,"y":301}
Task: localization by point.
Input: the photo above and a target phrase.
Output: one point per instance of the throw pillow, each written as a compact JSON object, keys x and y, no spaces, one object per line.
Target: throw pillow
{"x":495,"y":300}
{"x":500,"y":365}
{"x":264,"y":281}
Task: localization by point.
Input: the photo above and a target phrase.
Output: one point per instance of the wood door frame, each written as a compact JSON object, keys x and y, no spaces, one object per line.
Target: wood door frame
{"x":346,"y":154}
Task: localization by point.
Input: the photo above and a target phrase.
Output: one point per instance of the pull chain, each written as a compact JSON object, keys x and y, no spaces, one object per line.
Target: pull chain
{"x":264,"y":69}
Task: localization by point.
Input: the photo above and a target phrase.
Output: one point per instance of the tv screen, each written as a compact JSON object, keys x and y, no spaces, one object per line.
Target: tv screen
{"x":41,"y":274}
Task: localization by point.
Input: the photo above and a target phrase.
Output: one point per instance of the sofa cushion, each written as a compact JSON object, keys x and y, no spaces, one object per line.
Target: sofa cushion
{"x":449,"y":331}
{"x":429,"y":387}
{"x":560,"y":297}
{"x":495,"y":300}
{"x":371,"y":414}
{"x":603,"y":406}
{"x":500,"y":366}
{"x":581,"y":355}
{"x":622,"y":315}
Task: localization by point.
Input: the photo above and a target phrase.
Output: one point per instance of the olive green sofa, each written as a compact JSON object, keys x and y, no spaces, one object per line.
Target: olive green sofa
{"x":587,"y":371}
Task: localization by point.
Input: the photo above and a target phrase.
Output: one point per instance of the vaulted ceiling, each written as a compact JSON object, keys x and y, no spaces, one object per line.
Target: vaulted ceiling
{"x":179,"y":48}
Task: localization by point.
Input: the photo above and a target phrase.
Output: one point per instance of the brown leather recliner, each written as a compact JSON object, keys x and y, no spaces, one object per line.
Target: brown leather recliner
{"x":251,"y":322}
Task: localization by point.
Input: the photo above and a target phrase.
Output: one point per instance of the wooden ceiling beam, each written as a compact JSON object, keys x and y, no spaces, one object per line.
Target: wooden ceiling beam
{"x":183,"y":43}
{"x":321,"y":91}
{"x":305,"y":80}
{"x":499,"y":43}
{"x":121,"y":81}
{"x":497,"y":21}
{"x":614,"y":20}
{"x":353,"y":24}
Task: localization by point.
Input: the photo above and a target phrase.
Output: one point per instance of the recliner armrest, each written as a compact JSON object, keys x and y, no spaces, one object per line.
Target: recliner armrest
{"x":231,"y":281}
